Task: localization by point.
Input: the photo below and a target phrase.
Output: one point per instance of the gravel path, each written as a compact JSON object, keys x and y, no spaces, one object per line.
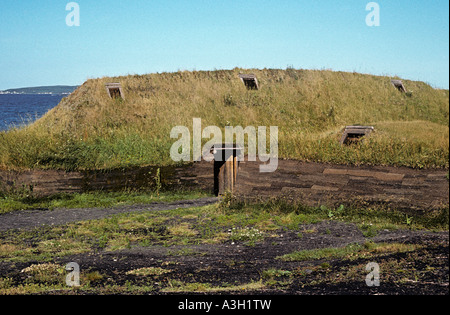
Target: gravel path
{"x":29,"y":219}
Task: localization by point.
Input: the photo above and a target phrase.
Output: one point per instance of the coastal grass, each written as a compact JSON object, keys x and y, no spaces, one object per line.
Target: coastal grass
{"x":88,"y":130}
{"x":349,"y":252}
{"x":97,"y":199}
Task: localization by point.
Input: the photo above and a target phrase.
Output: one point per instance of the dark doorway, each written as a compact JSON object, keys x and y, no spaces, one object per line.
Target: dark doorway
{"x":226,"y":166}
{"x":353,"y":134}
{"x":250,"y":81}
{"x":114,"y":90}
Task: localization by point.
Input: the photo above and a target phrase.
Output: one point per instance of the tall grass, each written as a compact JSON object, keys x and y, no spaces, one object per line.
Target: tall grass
{"x":88,"y":130}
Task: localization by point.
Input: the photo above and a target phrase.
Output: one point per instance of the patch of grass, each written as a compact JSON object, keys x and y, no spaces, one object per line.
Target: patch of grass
{"x":248,"y":235}
{"x":316,"y":254}
{"x":182,"y":230}
{"x":278,"y":213}
{"x":148,"y":271}
{"x":180,"y":286}
{"x":373,"y":219}
{"x":350,"y":252}
{"x":48,"y":273}
{"x":92,"y":276}
{"x":278,"y":278}
{"x":98,"y":199}
{"x":184,"y":252}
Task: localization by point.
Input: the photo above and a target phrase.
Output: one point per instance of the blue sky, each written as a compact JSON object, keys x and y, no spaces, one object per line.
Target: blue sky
{"x":144,"y":36}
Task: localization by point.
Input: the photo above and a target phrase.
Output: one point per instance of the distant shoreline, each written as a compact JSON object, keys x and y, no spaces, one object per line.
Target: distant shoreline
{"x":49,"y":93}
{"x":56,"y":89}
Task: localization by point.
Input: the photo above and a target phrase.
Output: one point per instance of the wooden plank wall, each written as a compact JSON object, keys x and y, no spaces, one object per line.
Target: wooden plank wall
{"x":317,"y":184}
{"x":312,"y":184}
{"x":198,"y":176}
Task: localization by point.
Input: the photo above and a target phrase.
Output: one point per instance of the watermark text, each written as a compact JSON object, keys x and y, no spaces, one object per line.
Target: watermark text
{"x":256,"y":144}
{"x":73,"y":18}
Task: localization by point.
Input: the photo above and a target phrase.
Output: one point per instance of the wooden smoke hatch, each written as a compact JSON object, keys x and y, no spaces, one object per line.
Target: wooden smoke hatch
{"x":114,"y":90}
{"x":250,"y":81}
{"x":226,"y":166}
{"x":353,"y":134}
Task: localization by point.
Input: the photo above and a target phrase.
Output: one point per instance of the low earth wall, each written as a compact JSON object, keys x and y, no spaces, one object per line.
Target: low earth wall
{"x":312,"y":184}
{"x":197,"y":176}
{"x":318,"y":184}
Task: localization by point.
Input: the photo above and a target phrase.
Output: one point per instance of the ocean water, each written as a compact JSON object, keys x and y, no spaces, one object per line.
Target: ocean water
{"x":19,"y":109}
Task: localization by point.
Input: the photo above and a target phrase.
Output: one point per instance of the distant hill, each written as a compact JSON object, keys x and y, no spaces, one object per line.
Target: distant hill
{"x":56,"y":89}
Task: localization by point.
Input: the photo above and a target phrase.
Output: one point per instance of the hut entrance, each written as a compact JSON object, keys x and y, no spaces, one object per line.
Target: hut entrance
{"x":353,"y":134}
{"x":114,"y":90}
{"x":250,"y":81}
{"x":226,"y":166}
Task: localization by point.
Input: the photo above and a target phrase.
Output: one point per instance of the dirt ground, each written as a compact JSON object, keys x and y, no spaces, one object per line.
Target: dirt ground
{"x":237,"y":268}
{"x":237,"y":264}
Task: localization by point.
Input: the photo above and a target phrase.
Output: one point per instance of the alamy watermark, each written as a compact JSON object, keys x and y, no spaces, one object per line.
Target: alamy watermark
{"x":373,"y":18}
{"x":73,"y":18}
{"x":73,"y":278}
{"x":373,"y":278}
{"x":256,"y":144}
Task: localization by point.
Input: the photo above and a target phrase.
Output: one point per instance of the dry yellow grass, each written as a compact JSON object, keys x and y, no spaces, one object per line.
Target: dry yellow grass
{"x":90,"y":130}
